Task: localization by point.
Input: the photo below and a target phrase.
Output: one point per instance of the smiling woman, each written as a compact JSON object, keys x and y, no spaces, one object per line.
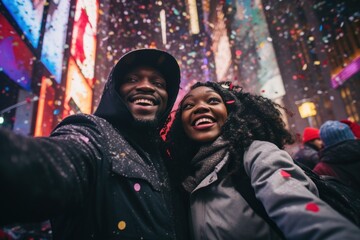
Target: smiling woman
{"x":203,"y":114}
{"x":222,"y":141}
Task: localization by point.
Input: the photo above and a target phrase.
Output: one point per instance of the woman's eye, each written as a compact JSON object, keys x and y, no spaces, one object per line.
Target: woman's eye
{"x":214,"y":100}
{"x":186,"y":106}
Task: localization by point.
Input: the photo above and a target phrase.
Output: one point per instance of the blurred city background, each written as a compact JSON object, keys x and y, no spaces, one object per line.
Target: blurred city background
{"x":55,"y":55}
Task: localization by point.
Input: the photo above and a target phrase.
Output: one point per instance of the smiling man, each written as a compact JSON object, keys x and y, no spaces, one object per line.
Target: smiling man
{"x":144,"y":92}
{"x":102,"y":176}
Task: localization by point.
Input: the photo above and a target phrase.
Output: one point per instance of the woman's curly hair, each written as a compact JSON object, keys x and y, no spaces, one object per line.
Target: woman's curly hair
{"x":250,"y":117}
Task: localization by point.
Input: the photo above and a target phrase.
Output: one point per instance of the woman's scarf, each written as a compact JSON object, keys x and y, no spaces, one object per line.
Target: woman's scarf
{"x":205,"y":161}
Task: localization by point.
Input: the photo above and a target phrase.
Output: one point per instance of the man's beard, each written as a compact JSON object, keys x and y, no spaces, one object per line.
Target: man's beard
{"x":145,"y":124}
{"x":146,"y":128}
{"x":146,"y":134}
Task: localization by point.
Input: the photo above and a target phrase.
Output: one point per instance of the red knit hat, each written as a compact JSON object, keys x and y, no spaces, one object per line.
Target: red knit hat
{"x":310,"y":134}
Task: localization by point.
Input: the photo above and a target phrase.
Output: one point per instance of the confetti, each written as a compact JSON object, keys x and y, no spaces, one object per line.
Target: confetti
{"x":121,"y":225}
{"x":285,"y":174}
{"x":313,"y":207}
{"x":85,"y":139}
{"x":137,"y":187}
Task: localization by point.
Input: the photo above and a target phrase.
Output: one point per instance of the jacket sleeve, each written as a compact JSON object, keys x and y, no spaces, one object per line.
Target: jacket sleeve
{"x":42,"y":177}
{"x":323,"y":169}
{"x":291,"y":198}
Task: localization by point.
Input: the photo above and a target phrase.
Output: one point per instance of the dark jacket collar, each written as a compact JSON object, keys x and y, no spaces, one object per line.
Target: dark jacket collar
{"x":342,"y":152}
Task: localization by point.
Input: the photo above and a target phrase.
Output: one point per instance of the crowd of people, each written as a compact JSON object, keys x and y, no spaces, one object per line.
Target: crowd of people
{"x":221,"y":173}
{"x":337,"y":152}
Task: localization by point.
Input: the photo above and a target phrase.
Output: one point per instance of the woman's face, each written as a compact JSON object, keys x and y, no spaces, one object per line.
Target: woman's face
{"x":203,"y":114}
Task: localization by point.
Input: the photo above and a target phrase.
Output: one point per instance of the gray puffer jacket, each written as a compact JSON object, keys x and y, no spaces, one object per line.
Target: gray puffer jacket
{"x":288,"y":195}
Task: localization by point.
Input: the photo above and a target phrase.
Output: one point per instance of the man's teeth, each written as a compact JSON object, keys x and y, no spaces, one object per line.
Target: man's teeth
{"x":144,"y":101}
{"x":203,"y":120}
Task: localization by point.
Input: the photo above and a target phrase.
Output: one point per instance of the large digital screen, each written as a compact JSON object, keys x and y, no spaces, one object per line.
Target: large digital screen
{"x":28,"y":15}
{"x":55,"y":37}
{"x":83,"y":44}
{"x":16,"y":58}
{"x":78,"y":94}
{"x":258,"y":66}
{"x":46,"y":108}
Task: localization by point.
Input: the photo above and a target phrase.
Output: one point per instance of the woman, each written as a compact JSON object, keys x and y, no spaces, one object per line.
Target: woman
{"x":222,"y":137}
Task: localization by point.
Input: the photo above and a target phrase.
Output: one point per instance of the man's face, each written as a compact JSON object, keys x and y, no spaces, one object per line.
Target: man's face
{"x":318,"y":143}
{"x":144,"y":91}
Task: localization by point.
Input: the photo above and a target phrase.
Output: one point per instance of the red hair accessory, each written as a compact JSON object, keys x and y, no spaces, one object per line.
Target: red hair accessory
{"x":231,"y":86}
{"x":230,"y":102}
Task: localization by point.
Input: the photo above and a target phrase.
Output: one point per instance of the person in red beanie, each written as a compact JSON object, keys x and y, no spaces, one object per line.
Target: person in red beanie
{"x":308,"y":153}
{"x":355,"y":128}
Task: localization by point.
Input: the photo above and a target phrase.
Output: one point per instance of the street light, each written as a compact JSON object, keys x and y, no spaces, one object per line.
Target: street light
{"x":307,"y":109}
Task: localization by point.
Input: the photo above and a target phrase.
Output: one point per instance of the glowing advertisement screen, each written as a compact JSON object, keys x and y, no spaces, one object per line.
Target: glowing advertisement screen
{"x":28,"y":15}
{"x":78,"y":94}
{"x":222,"y":57}
{"x":55,"y":36}
{"x":46,"y":107}
{"x":83,"y":44}
{"x":254,"y":47}
{"x":346,"y":73}
{"x":16,"y":59}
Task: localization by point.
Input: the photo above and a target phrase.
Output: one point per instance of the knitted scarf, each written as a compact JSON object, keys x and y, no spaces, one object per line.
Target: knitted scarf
{"x":205,"y":161}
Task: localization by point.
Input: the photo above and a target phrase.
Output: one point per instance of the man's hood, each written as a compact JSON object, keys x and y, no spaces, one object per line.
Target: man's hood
{"x":113,"y":108}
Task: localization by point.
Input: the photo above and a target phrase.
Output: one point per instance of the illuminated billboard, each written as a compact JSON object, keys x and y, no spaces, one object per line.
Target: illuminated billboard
{"x":344,"y":74}
{"x":254,"y":51}
{"x":55,"y":36}
{"x":83,"y":44}
{"x":46,"y":108}
{"x":16,"y":58}
{"x":78,"y":94}
{"x":28,"y":15}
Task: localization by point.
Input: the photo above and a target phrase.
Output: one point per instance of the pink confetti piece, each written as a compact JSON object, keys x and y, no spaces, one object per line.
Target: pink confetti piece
{"x":137,"y":187}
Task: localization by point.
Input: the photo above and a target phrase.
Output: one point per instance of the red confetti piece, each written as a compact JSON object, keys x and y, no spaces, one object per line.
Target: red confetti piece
{"x":313,"y":207}
{"x":230,"y":102}
{"x":285,"y":174}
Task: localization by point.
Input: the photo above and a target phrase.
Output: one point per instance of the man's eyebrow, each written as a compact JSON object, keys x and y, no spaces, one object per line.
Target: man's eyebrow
{"x":157,"y":75}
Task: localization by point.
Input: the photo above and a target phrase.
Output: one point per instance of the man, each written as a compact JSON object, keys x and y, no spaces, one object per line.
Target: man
{"x":101,"y":176}
{"x":340,"y":157}
{"x":355,"y":127}
{"x":308,"y":153}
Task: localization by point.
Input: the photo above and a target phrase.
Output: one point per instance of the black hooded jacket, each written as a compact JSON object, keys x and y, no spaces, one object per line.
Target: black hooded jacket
{"x":341,"y":160}
{"x":91,"y":177}
{"x":307,"y":155}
